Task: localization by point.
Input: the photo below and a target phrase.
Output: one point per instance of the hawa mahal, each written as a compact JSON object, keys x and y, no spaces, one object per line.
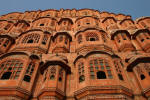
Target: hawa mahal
{"x":74,"y":54}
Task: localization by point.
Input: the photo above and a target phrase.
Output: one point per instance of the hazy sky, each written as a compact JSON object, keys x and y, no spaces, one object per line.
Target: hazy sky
{"x":135,"y":8}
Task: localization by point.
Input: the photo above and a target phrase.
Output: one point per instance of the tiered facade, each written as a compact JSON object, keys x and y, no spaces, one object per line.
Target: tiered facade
{"x":74,"y":55}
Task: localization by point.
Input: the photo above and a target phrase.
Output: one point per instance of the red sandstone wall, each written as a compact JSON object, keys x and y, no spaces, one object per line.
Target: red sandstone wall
{"x":74,"y":54}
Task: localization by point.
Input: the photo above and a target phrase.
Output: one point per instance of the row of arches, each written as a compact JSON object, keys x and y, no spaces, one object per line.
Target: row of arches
{"x":61,"y":41}
{"x":93,"y":66}
{"x":66,"y":24}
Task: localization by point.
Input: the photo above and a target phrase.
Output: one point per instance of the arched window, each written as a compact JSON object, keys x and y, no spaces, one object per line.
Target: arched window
{"x":123,"y":35}
{"x":120,"y":76}
{"x":142,"y":76}
{"x":92,"y":37}
{"x":6,"y":43}
{"x":81,"y":71}
{"x":49,"y":73}
{"x":99,"y":68}
{"x":87,"y":21}
{"x":78,"y":23}
{"x":31,"y":38}
{"x":118,"y":68}
{"x":104,"y":38}
{"x":146,"y":35}
{"x":44,"y":41}
{"x":147,"y":68}
{"x":81,"y":78}
{"x":60,"y":75}
{"x":52,"y":73}
{"x":29,"y":72}
{"x":11,"y":69}
{"x":141,"y":37}
{"x":140,"y":71}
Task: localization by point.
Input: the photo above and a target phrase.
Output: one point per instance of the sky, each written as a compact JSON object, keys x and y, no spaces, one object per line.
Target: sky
{"x":135,"y":8}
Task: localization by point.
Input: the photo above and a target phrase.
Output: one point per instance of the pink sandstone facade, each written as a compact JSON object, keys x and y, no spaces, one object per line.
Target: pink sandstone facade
{"x":74,"y":55}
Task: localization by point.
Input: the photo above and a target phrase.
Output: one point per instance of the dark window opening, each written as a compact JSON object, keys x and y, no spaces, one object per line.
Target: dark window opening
{"x":30,"y":41}
{"x":120,"y":77}
{"x":48,"y":15}
{"x":88,"y":23}
{"x":149,"y":73}
{"x":92,"y":39}
{"x":147,"y":38}
{"x":119,"y":41}
{"x":6,"y":75}
{"x":44,"y":43}
{"x":142,"y":77}
{"x":5,"y":28}
{"x":101,"y":75}
{"x":4,"y":45}
{"x":10,"y":68}
{"x":52,"y":77}
{"x":81,"y":78}
{"x":60,"y":79}
{"x":64,"y":22}
{"x":41,"y":24}
{"x":142,"y":40}
{"x":27,"y":78}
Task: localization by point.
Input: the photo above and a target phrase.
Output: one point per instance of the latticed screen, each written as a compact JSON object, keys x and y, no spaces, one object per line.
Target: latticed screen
{"x":11,"y":69}
{"x":81,"y":72}
{"x":99,"y":69}
{"x":31,"y":38}
{"x":29,"y":72}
